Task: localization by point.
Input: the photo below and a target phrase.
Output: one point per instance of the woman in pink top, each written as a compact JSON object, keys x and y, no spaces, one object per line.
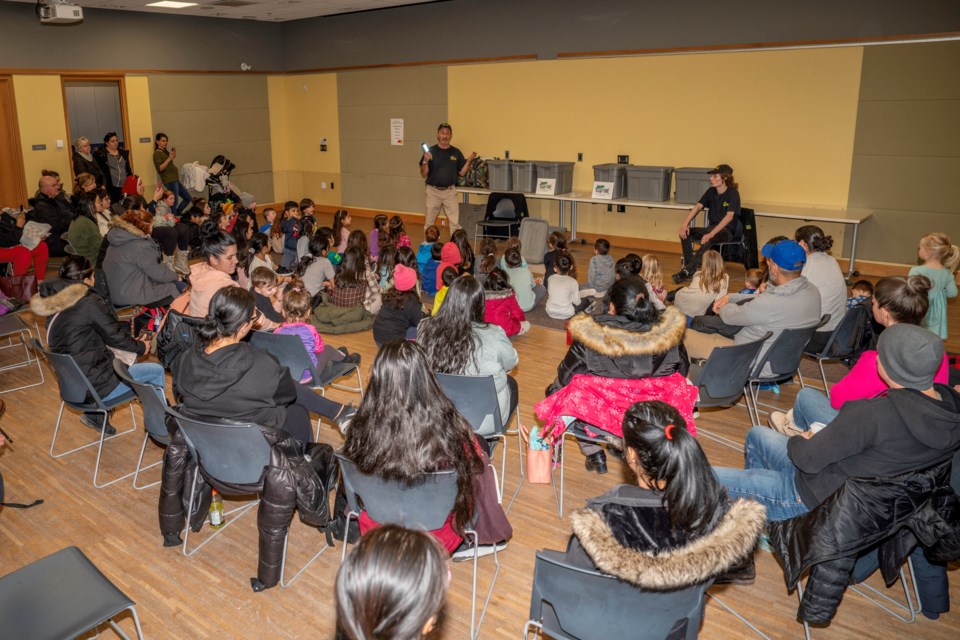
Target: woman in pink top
{"x":896,"y":300}
{"x":215,"y":272}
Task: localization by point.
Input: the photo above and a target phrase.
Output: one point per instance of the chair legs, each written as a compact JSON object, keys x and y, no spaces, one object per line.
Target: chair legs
{"x":96,"y":443}
{"x":140,"y":467}
{"x":239,"y":511}
{"x":474,"y":623}
{"x":356,"y":389}
{"x":739,"y":617}
{"x":29,"y":357}
{"x":283,"y":562}
{"x":136,"y":622}
{"x":532,"y":624}
{"x":911,"y":608}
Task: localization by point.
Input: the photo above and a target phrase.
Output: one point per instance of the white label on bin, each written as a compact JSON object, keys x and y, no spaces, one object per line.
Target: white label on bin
{"x":546,"y":186}
{"x":603,"y":190}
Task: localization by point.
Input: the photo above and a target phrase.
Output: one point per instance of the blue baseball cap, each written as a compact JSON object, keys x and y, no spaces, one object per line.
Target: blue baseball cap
{"x":786,"y":254}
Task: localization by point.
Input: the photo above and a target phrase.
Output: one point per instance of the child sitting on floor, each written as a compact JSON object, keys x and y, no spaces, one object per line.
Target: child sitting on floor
{"x":860,"y":291}
{"x":751,"y":281}
{"x":500,"y":304}
{"x":430,"y":236}
{"x":601,"y":273}
{"x":267,"y":295}
{"x":563,"y":291}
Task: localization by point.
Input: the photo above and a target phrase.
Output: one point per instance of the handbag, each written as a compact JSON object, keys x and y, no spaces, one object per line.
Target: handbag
{"x":539,"y":465}
{"x":20,"y":288}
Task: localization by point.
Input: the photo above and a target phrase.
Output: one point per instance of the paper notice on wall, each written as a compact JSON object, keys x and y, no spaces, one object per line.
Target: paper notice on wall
{"x":396,"y":132}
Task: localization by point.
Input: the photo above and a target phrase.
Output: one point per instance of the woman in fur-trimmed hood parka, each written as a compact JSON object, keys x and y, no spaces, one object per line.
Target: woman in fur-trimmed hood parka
{"x":675,"y":527}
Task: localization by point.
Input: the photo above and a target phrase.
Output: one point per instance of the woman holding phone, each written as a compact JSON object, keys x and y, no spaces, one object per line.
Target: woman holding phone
{"x":168,"y":172}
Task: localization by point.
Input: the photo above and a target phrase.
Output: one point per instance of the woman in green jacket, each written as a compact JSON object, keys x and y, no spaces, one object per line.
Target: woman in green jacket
{"x":84,"y":233}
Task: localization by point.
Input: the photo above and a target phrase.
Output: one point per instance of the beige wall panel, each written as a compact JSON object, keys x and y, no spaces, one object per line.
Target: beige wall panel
{"x":927,"y":71}
{"x":375,"y":173}
{"x":909,"y":128}
{"x":211,"y":115}
{"x":909,"y":183}
{"x":414,"y":85}
{"x":892,"y":236}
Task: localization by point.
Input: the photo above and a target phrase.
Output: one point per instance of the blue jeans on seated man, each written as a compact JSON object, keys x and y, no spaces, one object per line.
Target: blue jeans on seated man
{"x":768,"y":475}
{"x":148,"y":372}
{"x":812,"y":406}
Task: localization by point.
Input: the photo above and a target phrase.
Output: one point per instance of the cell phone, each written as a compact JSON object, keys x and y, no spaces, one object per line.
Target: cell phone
{"x":425,"y":147}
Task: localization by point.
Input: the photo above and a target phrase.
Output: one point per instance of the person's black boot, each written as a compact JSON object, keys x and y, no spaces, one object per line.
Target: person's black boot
{"x":597,"y":462}
{"x":680,"y":276}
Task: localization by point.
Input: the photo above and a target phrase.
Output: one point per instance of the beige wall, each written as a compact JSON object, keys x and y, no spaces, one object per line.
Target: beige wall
{"x":207,"y":115}
{"x":906,"y":156}
{"x":42,"y":120}
{"x":376,"y":174}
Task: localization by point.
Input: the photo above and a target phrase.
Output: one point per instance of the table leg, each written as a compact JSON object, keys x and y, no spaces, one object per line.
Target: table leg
{"x":464,"y":197}
{"x":563,"y":213}
{"x":852,"y":270}
{"x":573,"y":221}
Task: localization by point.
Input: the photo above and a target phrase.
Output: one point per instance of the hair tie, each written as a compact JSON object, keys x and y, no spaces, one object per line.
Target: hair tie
{"x":666,"y":431}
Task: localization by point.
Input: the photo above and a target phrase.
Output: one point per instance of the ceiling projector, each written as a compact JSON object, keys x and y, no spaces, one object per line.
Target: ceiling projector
{"x":58,"y":12}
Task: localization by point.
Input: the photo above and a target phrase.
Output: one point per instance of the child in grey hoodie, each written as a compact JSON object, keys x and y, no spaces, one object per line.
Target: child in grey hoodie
{"x":601,"y":273}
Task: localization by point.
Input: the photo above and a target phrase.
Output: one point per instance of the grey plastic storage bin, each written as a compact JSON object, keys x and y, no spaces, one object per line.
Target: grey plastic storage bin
{"x":524,"y":176}
{"x":500,"y":175}
{"x":562,"y":172}
{"x":691,"y":183}
{"x":649,"y":184}
{"x":612,"y":172}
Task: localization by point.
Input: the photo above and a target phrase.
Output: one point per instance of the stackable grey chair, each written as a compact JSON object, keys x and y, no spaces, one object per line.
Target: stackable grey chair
{"x":61,"y":596}
{"x":425,"y":506}
{"x":13,"y":327}
{"x":154,"y":419}
{"x":77,"y":393}
{"x":475,"y":397}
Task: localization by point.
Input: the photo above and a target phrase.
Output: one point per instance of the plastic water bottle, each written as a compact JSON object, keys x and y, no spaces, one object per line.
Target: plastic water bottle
{"x":216,"y":511}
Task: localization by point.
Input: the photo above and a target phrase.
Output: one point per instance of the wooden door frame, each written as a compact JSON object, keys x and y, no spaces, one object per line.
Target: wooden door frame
{"x":18,"y":147}
{"x":124,"y":117}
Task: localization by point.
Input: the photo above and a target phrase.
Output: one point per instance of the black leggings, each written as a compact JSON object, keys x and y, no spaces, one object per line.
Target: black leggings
{"x":298,"y":423}
{"x":175,"y":237}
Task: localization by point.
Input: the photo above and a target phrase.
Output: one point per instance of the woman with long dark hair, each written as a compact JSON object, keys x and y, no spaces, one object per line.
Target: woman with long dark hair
{"x":228,"y":378}
{"x":391,"y":586}
{"x":84,"y":233}
{"x":458,"y":340}
{"x":406,"y":427}
{"x":163,"y":158}
{"x":219,"y":251}
{"x":114,"y":165}
{"x":621,"y":349}
{"x":674,"y":528}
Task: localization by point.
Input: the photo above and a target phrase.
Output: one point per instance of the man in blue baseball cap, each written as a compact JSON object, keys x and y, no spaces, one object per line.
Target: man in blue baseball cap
{"x":790,"y":301}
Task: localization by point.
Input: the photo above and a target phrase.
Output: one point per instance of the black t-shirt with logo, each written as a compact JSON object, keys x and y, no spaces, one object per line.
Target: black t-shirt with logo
{"x":445,"y":166}
{"x":718,"y":204}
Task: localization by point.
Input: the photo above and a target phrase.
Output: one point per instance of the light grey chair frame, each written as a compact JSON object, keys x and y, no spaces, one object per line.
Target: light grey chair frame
{"x":12,"y":326}
{"x":424,"y":506}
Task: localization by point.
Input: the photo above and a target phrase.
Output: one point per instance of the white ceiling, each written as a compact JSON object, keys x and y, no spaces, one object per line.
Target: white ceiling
{"x":265,"y":10}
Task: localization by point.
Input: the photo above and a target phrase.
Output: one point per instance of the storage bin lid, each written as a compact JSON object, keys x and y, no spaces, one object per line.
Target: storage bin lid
{"x":609,"y":165}
{"x":633,"y":168}
{"x":703,"y":170}
{"x":549,"y":163}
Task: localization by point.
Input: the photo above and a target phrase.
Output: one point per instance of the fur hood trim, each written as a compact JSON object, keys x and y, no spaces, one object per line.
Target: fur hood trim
{"x":60,"y":301}
{"x":613,"y":341}
{"x":732,"y":540}
{"x":498,"y":295}
{"x":116,"y":222}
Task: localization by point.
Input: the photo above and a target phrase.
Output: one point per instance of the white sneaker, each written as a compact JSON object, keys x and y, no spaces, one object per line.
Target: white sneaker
{"x":465,"y":552}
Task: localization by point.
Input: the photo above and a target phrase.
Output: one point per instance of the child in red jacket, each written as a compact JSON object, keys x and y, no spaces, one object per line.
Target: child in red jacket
{"x":500,"y":304}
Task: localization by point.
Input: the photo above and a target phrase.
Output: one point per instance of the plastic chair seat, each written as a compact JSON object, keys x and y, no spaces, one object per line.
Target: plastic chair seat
{"x":60,"y":596}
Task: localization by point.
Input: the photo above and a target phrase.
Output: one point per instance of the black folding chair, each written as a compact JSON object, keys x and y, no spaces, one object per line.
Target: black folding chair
{"x":842,"y":342}
{"x":77,"y":393}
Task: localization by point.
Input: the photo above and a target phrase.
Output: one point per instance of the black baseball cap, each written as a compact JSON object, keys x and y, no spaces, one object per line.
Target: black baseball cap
{"x":723,"y":169}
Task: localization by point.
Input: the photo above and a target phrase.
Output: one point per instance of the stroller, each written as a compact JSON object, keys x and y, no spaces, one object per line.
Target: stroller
{"x":219,"y":187}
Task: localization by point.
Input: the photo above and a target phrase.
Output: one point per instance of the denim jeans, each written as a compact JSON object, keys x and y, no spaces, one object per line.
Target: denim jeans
{"x":768,"y":475}
{"x":812,"y":406}
{"x":148,"y":372}
{"x":181,"y":193}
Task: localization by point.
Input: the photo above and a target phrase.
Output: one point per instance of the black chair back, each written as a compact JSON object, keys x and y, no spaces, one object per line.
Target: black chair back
{"x":235,"y":453}
{"x":726,"y":373}
{"x":785,"y":353}
{"x":847,"y":335}
{"x":561,"y":590}
{"x":475,"y":397}
{"x":288,"y":349}
{"x":154,"y":409}
{"x":75,"y":387}
{"x":425,"y":505}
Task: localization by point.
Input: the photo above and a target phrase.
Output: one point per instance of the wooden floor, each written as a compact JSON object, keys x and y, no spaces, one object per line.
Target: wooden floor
{"x":209,"y":595}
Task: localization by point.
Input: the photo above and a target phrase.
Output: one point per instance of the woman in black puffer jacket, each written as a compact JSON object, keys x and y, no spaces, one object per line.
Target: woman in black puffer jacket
{"x":81,"y":323}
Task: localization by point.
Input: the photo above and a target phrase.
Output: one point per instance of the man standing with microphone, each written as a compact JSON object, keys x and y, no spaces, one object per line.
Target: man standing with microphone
{"x":440,"y":166}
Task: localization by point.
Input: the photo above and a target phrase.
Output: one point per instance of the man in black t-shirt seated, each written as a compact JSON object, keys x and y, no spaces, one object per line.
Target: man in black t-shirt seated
{"x":440,"y":167}
{"x":722,"y":202}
